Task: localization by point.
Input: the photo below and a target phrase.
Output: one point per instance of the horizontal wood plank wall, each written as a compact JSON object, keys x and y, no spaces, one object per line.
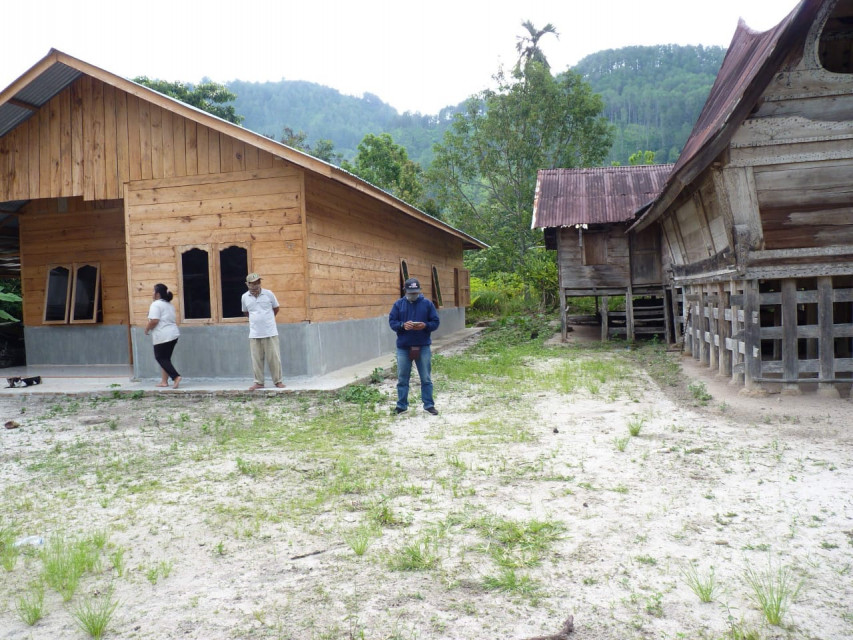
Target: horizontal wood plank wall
{"x":91,"y":139}
{"x":260,"y":209}
{"x":354,"y":250}
{"x":67,"y":231}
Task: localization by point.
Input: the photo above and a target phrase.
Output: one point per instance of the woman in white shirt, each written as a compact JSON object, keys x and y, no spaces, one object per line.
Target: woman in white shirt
{"x":164,"y":332}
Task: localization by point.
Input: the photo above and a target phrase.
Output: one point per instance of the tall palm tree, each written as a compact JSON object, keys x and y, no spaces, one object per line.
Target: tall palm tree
{"x":528,"y":45}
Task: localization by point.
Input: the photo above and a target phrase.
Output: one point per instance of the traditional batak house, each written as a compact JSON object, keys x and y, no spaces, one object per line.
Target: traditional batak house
{"x":757,"y":214}
{"x":114,"y":188}
{"x":585,"y":214}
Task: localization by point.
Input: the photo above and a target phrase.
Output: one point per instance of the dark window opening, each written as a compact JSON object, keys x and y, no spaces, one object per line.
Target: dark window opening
{"x":58,"y":292}
{"x":404,"y":275}
{"x":836,"y":40}
{"x":436,"y":288}
{"x":87,"y":298}
{"x":196,"y":284}
{"x":233,"y":269}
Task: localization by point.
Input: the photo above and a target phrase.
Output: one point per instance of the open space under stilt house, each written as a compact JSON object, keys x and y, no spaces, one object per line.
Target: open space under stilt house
{"x":586,"y":214}
{"x":757,"y":214}
{"x":107,"y":188}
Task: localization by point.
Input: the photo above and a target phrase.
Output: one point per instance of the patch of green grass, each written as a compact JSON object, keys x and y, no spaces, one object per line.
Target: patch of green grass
{"x":65,"y":561}
{"x":30,"y":604}
{"x":418,"y":555}
{"x":93,"y":614}
{"x":704,"y":585}
{"x":647,"y":560}
{"x":620,"y":443}
{"x":160,"y":570}
{"x":8,"y":550}
{"x":360,"y":539}
{"x":511,"y":582}
{"x":699,"y":392}
{"x":513,"y":544}
{"x":635,"y":425}
{"x":773,"y":590}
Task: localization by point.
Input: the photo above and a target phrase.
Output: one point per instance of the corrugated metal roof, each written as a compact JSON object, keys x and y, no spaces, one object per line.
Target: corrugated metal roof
{"x":597,"y":195}
{"x":36,"y":93}
{"x":751,"y":61}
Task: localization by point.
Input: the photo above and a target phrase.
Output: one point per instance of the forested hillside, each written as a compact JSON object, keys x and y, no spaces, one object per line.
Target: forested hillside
{"x":653,"y":96}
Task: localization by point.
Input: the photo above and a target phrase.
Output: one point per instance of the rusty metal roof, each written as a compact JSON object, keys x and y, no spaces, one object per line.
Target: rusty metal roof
{"x":597,"y":195}
{"x":751,"y":61}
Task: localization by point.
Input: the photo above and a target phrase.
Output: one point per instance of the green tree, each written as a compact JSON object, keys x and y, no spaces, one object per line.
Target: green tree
{"x":207,"y":96}
{"x":324,"y":149}
{"x":484,"y":171}
{"x":10,"y":300}
{"x":385,"y":164}
{"x":641,"y":157}
{"x":528,"y":45}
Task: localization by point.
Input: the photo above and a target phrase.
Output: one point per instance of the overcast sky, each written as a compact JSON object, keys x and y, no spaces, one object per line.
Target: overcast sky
{"x":416,"y":55}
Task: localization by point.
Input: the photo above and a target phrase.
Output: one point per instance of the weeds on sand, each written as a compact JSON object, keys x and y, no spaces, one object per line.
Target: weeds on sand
{"x":509,"y":581}
{"x":773,"y":590}
{"x":93,"y":614}
{"x":30,"y":604}
{"x":699,"y":392}
{"x":703,"y":585}
{"x":65,"y":561}
{"x":418,"y":555}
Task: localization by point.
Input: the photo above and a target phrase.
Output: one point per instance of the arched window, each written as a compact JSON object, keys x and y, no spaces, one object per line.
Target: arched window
{"x":87,"y":293}
{"x":436,"y":289}
{"x":404,"y":275}
{"x":73,"y":294}
{"x":835,"y":50}
{"x":233,"y":269}
{"x":57,"y":294}
{"x":195,"y":281}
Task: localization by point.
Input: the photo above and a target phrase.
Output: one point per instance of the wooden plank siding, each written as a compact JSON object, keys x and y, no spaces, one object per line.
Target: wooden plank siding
{"x":614,"y":273}
{"x":259,"y":209}
{"x":63,"y":232}
{"x":355,"y":245}
{"x":91,"y":139}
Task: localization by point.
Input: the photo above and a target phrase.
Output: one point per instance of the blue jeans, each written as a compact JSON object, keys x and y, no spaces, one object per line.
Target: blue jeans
{"x":404,"y":372}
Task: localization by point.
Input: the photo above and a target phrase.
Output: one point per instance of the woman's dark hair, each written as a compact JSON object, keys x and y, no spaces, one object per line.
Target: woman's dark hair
{"x":163,"y":291}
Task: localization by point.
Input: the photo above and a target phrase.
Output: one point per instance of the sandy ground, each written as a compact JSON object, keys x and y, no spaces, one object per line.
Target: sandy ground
{"x":209,"y":551}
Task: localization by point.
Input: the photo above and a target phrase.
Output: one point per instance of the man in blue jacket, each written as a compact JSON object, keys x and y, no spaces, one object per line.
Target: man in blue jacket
{"x":414,"y":318}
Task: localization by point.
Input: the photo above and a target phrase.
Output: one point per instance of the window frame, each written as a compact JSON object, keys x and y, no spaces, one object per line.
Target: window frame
{"x":213,"y":251}
{"x":69,"y":285}
{"x":437,"y":300}
{"x":218,"y":288}
{"x":404,"y":275}
{"x":72,"y":304}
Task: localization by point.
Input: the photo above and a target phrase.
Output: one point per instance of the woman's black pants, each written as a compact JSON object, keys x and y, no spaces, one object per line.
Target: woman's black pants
{"x":163,"y":356}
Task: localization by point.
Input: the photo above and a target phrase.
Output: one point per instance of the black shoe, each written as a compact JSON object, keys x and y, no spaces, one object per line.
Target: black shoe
{"x":398,"y":410}
{"x":431,"y":410}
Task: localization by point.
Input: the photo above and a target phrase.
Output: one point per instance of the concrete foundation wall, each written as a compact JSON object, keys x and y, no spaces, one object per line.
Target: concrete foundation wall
{"x":77,"y":344}
{"x":306,"y":349}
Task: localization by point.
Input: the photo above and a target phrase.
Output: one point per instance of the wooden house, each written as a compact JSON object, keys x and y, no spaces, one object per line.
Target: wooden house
{"x":113,"y":188}
{"x":757,"y":214}
{"x":586,"y":214}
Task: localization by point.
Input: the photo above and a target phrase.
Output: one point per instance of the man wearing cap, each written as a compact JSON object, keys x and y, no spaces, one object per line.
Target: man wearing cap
{"x":413,"y":318}
{"x":261,"y":307}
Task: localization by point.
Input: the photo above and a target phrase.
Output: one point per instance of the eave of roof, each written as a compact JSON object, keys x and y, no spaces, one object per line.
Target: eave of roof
{"x":598,"y":195}
{"x":57,"y":70}
{"x":751,"y":61}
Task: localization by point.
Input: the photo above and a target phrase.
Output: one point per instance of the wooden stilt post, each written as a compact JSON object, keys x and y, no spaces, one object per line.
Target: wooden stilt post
{"x":790,"y":351}
{"x":604,"y":318}
{"x":629,"y":314}
{"x":826,"y":344}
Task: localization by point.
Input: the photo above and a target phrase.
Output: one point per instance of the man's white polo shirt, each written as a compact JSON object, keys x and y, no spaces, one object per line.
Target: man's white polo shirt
{"x":261,"y":316}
